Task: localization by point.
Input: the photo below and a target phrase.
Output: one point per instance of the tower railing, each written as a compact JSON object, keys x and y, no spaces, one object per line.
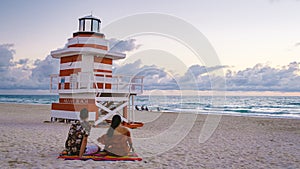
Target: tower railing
{"x":54,"y":83}
{"x":97,"y":82}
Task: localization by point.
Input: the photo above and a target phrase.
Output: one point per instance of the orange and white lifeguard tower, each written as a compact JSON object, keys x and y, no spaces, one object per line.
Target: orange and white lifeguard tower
{"x":85,"y":78}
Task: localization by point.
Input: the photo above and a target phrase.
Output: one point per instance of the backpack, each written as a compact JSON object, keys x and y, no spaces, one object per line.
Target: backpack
{"x":75,"y":136}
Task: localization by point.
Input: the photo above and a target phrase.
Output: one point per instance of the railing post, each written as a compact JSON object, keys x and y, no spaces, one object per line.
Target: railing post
{"x":51,"y":78}
{"x":93,"y":81}
{"x":117,"y":83}
{"x":57,"y":82}
{"x":89,"y":82}
{"x":142,"y":84}
{"x":132,"y":107}
{"x":129,"y":85}
{"x":78,"y":80}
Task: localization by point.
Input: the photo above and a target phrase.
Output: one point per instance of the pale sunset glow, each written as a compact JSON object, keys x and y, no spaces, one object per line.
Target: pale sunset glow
{"x":257,"y":42}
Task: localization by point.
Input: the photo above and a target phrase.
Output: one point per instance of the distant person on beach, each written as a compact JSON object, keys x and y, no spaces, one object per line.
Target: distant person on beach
{"x":117,"y":140}
{"x":76,"y":143}
{"x":144,"y":107}
{"x":137,"y":108}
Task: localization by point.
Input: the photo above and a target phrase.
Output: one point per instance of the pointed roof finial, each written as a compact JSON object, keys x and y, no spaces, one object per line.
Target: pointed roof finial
{"x":91,"y":13}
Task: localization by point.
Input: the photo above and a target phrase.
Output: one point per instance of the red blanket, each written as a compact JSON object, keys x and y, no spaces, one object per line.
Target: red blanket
{"x":102,"y":156}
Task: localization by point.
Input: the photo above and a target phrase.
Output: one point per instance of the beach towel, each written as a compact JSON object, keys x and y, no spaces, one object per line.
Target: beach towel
{"x":101,"y":156}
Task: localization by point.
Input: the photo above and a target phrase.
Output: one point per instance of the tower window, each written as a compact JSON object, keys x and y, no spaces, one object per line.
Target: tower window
{"x":81,"y":25}
{"x":95,"y":26}
{"x":87,"y":25}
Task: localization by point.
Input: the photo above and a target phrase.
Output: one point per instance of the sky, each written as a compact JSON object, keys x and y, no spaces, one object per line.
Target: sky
{"x":256,"y":41}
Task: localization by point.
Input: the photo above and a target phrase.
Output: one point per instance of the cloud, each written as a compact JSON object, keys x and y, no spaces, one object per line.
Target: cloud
{"x":154,"y":77}
{"x":159,"y":78}
{"x":42,"y":71}
{"x":265,"y":78}
{"x":128,"y":69}
{"x":122,"y":45}
{"x":22,"y":61}
{"x":27,"y":74}
{"x":22,"y":74}
{"x":258,"y":78}
{"x":6,"y":56}
{"x":197,"y":70}
{"x":197,"y":78}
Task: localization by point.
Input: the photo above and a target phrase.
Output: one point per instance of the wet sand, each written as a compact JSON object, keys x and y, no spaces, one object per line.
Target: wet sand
{"x":167,"y":140}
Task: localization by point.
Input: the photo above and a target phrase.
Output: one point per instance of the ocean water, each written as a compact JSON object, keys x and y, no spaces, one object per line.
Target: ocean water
{"x":270,"y":106}
{"x":29,"y":99}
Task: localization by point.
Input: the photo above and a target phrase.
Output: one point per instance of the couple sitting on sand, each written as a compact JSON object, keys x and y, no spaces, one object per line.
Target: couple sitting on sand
{"x":117,"y":140}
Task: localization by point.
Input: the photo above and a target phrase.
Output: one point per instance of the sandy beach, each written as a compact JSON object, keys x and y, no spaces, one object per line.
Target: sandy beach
{"x":238,"y":142}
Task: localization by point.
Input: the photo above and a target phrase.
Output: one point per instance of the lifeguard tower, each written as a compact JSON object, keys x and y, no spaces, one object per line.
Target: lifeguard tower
{"x":85,"y":78}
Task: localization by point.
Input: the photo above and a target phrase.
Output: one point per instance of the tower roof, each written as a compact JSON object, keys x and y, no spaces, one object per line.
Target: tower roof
{"x":90,"y":17}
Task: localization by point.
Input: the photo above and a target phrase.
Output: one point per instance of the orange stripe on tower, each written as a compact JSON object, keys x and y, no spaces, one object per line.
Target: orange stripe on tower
{"x":73,"y":58}
{"x":89,"y":35}
{"x":66,"y":86}
{"x":100,"y":86}
{"x":74,"y":101}
{"x":68,"y":72}
{"x":101,"y":70}
{"x":89,"y":45}
{"x":103,"y":60}
{"x":105,"y":76}
{"x":74,"y":107}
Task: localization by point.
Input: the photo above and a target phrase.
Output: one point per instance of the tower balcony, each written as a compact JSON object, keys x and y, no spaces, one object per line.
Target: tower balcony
{"x":96,"y":82}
